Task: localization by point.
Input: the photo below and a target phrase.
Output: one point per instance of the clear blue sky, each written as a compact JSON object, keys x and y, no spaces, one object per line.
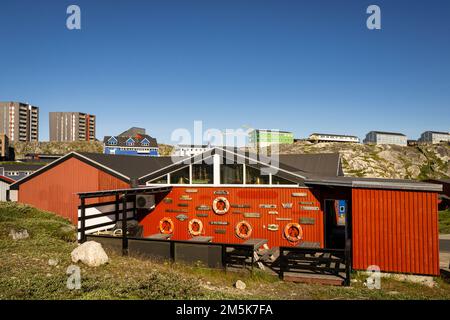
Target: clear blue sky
{"x":303,"y":66}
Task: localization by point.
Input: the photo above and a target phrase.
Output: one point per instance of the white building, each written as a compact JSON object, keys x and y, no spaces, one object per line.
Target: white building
{"x":183,"y":150}
{"x":4,"y":188}
{"x":380,"y":137}
{"x":434,"y":137}
{"x":329,"y":137}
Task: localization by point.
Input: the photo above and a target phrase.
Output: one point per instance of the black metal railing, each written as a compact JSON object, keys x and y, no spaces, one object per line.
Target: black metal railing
{"x":231,"y":255}
{"x":335,"y":262}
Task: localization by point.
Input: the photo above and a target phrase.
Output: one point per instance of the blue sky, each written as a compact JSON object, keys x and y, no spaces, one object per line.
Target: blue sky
{"x":303,"y":66}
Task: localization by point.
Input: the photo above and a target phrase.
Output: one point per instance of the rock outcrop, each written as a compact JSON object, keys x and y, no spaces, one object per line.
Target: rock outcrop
{"x":383,"y":161}
{"x":90,"y":253}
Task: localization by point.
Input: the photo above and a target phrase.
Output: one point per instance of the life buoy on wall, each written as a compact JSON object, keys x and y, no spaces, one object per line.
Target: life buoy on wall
{"x":221,"y":205}
{"x":243,"y":229}
{"x":195,"y":227}
{"x":293,"y":232}
{"x":166,"y":226}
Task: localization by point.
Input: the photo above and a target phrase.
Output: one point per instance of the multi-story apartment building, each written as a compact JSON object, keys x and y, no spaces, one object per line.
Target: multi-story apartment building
{"x":380,"y":137}
{"x":330,"y":137}
{"x":4,"y":147}
{"x":262,"y":138}
{"x":71,"y":126}
{"x":19,"y":121}
{"x":434,"y":137}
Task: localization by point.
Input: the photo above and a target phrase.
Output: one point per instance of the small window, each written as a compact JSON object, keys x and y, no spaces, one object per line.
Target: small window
{"x":280,"y":180}
{"x":160,"y":180}
{"x":180,"y":177}
{"x":202,"y":174}
{"x":231,"y":174}
{"x":254,"y":176}
{"x":130,"y":142}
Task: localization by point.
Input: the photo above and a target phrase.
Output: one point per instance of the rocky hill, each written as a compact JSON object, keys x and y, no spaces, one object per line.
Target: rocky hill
{"x":383,"y":161}
{"x":380,"y":161}
{"x":45,"y":147}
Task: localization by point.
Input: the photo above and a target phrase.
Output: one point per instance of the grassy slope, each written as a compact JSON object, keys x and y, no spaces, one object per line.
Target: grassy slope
{"x":25,"y":273}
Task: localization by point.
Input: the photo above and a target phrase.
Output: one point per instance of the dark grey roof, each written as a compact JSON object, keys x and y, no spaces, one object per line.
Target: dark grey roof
{"x":444,"y":180}
{"x":121,"y":141}
{"x":21,"y":166}
{"x":437,"y":132}
{"x":323,"y":164}
{"x":130,"y":166}
{"x":389,"y":133}
{"x":301,"y":165}
{"x":375,"y":183}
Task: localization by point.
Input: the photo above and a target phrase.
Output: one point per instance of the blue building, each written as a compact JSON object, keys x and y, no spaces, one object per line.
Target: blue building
{"x":131,"y":142}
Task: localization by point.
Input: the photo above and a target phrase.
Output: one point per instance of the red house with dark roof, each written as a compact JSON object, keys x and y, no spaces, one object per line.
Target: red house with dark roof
{"x":231,"y":196}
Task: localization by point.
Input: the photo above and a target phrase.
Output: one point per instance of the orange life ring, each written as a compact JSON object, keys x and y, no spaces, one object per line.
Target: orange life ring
{"x":221,"y":205}
{"x":243,"y":229}
{"x":195,"y":227}
{"x":293,"y":232}
{"x":166,"y":225}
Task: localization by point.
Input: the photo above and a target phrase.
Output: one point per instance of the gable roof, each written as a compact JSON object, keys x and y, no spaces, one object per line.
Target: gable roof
{"x":6,"y":180}
{"x":123,"y":167}
{"x":21,"y":166}
{"x":300,"y":165}
{"x":138,"y":139}
{"x":305,"y":169}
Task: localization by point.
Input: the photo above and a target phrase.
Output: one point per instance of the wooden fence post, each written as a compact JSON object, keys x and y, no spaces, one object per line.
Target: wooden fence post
{"x":124,"y":226}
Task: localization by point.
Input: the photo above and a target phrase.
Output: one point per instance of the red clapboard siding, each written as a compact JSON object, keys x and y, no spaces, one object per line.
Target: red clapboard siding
{"x":396,"y":230}
{"x":56,"y":189}
{"x":248,"y":195}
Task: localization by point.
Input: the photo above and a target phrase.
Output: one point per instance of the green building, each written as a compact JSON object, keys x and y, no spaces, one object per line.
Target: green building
{"x":261,"y":138}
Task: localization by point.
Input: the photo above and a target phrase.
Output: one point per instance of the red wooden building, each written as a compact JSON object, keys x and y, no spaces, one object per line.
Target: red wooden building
{"x":287,"y":200}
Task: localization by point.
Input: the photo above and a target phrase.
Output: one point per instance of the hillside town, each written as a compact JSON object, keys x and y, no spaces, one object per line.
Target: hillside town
{"x":256,"y":153}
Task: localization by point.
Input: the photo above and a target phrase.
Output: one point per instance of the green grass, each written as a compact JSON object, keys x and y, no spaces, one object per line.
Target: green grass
{"x":444,"y":221}
{"x":26,"y":274}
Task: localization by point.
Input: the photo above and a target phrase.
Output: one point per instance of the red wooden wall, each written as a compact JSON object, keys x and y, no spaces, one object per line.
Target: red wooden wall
{"x":248,"y":195}
{"x":56,"y":189}
{"x":396,"y":230}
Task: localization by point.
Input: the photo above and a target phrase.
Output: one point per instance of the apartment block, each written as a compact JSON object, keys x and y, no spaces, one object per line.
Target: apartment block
{"x":19,"y":121}
{"x":4,"y":147}
{"x":381,"y":137}
{"x":71,"y":126}
{"x":434,"y":137}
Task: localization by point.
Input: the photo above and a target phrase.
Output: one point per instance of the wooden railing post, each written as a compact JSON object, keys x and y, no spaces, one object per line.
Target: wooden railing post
{"x":224,"y":257}
{"x":172,"y":251}
{"x":281,"y":273}
{"x":124,"y":226}
{"x":348,"y":261}
{"x":117,"y":207}
{"x":83,"y":220}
